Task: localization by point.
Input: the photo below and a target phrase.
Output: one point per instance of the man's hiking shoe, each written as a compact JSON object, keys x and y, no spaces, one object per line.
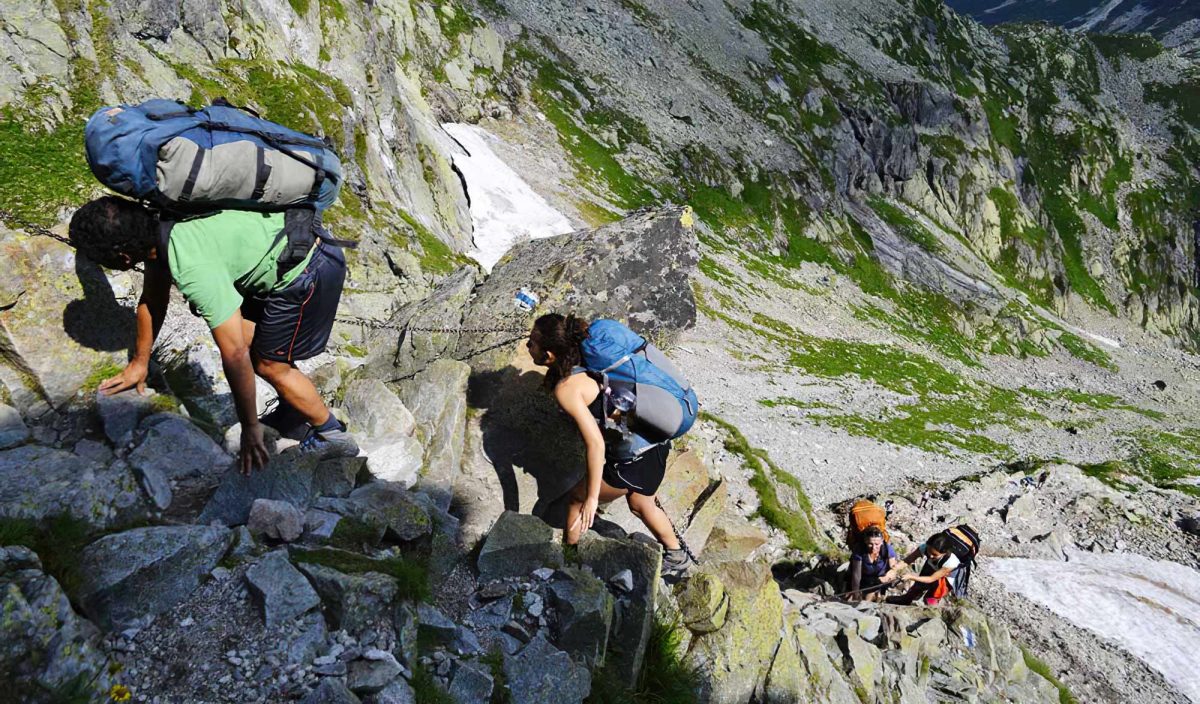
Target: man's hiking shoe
{"x":328,"y":444}
{"x":676,"y":564}
{"x":286,"y":420}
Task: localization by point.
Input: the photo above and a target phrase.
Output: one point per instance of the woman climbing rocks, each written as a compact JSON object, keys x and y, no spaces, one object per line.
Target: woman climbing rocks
{"x":869,"y":564}
{"x":620,"y":462}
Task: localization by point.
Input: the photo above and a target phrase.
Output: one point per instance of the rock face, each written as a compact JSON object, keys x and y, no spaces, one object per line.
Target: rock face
{"x":46,"y":359}
{"x":12,"y":427}
{"x":442,"y":309}
{"x":736,"y":656}
{"x":438,"y":398}
{"x":45,"y":649}
{"x":287,"y":477}
{"x":393,"y":451}
{"x":516,"y":546}
{"x":543,"y":674}
{"x":275,"y":520}
{"x":99,"y":496}
{"x":635,"y":270}
{"x":282,"y":592}
{"x":585,"y":613}
{"x":145,"y":571}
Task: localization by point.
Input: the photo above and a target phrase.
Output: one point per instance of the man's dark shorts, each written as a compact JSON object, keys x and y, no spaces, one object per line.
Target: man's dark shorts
{"x":295,"y":323}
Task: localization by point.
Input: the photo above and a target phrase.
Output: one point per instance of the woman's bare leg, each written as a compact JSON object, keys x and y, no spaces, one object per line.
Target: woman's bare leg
{"x":578,"y":495}
{"x":645,"y":508}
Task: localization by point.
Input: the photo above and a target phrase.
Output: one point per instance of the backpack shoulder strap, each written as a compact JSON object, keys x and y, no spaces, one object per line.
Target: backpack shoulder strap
{"x":164,"y":240}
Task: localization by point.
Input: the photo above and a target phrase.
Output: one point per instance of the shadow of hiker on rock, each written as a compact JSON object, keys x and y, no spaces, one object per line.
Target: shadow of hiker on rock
{"x":98,"y":321}
{"x":524,"y":430}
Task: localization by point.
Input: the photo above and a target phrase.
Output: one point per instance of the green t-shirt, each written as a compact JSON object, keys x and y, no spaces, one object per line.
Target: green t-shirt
{"x":218,"y":260}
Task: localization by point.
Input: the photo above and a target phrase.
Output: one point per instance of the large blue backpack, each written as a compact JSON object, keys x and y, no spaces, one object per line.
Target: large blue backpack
{"x":665,"y":405}
{"x":183,"y":159}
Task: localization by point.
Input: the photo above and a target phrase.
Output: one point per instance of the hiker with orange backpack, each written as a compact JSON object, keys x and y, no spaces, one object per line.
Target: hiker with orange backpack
{"x":869,"y":567}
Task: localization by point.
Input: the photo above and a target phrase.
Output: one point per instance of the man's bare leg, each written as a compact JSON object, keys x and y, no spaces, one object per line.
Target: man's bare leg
{"x":294,"y":388}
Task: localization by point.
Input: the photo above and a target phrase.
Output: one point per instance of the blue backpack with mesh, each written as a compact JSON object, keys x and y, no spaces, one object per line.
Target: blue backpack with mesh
{"x":665,"y":405}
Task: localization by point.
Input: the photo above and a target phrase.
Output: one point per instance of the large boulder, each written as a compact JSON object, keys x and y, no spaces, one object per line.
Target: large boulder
{"x":516,"y":546}
{"x":39,"y":482}
{"x":174,"y":447}
{"x":472,"y":684}
{"x":732,"y":538}
{"x":543,"y":674}
{"x":636,"y":270}
{"x":176,"y":463}
{"x":13,"y":430}
{"x":121,"y":413}
{"x":281,"y":591}
{"x":353,"y":602}
{"x":398,"y":691}
{"x":373,"y":671}
{"x":388,"y":431}
{"x":339,"y":476}
{"x":400,"y":512}
{"x":65,"y":329}
{"x":438,"y":399}
{"x":145,"y":571}
{"x":289,"y":476}
{"x":331,"y":691}
{"x":584,"y":611}
{"x":607,"y":558}
{"x":399,"y":357}
{"x":278,"y":521}
{"x":734,"y":660}
{"x":44,"y":646}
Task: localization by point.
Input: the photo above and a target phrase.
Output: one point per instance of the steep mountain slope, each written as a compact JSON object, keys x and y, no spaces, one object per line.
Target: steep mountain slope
{"x":1158,"y":17}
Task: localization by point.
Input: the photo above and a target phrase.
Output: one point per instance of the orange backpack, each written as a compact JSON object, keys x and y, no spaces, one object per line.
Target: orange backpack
{"x":863,"y":515}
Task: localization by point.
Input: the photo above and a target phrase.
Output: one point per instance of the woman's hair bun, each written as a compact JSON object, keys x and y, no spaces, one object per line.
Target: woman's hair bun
{"x":576,"y":329}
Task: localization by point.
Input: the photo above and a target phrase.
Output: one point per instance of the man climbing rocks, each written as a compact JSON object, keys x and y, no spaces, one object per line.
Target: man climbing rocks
{"x":263,"y":316}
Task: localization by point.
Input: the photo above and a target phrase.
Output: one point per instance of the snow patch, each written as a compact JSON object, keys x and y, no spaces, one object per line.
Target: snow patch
{"x":1001,"y":6}
{"x":1098,"y":15}
{"x":1103,"y":340}
{"x":504,"y":208}
{"x":1151,"y":608}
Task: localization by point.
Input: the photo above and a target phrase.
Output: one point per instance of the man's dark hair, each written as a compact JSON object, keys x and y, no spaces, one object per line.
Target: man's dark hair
{"x":940,"y":543}
{"x":116,"y":233}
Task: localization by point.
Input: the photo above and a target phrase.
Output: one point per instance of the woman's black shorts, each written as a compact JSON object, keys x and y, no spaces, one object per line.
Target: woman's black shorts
{"x":294,"y":323}
{"x":642,"y":475}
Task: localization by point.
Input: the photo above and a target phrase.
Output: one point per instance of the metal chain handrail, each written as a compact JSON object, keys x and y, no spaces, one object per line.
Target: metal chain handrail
{"x":447,"y":329}
{"x":17,"y":221}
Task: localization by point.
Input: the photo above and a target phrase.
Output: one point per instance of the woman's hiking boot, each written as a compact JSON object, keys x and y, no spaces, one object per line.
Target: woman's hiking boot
{"x":676,"y":564}
{"x":329,"y":443}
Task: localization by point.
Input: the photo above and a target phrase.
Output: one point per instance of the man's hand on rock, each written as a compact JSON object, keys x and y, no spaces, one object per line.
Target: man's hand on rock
{"x":134,"y":374}
{"x":254,"y":449}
